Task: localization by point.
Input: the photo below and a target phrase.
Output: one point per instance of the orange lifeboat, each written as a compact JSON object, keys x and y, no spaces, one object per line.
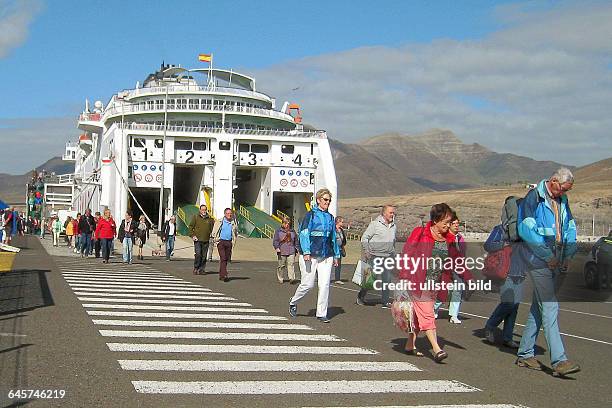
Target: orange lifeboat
{"x":294,"y":111}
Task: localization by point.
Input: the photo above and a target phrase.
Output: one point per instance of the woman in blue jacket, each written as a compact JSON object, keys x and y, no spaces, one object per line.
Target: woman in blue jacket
{"x":320,"y":252}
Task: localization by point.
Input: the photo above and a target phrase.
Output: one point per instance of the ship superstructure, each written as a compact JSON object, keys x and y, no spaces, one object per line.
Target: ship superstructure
{"x":211,"y":138}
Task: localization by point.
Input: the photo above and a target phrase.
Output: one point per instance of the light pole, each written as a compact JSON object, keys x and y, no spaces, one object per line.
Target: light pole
{"x":163,"y":169}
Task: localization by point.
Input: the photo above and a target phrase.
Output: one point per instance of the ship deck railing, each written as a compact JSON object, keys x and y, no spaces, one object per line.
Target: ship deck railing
{"x":199,"y":129}
{"x":155,"y":107}
{"x":196,"y":88}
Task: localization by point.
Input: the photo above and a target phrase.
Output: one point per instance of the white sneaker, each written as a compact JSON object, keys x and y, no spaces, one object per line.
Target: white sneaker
{"x":435,"y":315}
{"x":454,"y":320}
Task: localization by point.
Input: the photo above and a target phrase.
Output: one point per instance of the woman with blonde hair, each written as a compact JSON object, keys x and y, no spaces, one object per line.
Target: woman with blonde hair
{"x":320,"y":251}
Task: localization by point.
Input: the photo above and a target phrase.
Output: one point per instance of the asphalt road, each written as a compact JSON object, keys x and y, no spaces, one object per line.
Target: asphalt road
{"x":154,"y":335}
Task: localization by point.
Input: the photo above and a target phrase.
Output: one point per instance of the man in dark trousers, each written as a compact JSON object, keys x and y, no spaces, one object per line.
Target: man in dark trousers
{"x":200,"y":229}
{"x":225,"y":235}
{"x":87,"y":225}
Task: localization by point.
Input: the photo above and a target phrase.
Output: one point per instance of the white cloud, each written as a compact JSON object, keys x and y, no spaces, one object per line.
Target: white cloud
{"x":15,"y":19}
{"x":541,"y":87}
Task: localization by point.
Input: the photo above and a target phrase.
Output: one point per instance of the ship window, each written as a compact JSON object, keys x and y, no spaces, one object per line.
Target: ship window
{"x":182,"y":103}
{"x":243,"y":148}
{"x":138,"y":142}
{"x":224,"y":145}
{"x":171,"y":103}
{"x":159,"y":143}
{"x":159,"y":104}
{"x":199,"y":145}
{"x":260,"y":148}
{"x":182,"y":145}
{"x":288,"y":149}
{"x":194,"y":104}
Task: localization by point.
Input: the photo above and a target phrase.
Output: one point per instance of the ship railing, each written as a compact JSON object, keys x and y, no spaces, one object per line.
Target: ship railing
{"x":203,"y":129}
{"x":65,"y":178}
{"x":268,"y":231}
{"x":91,"y":117}
{"x":196,"y":88}
{"x":282,"y":215}
{"x":135,"y":108}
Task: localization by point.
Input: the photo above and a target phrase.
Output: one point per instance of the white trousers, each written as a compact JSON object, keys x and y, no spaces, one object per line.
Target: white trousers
{"x":309,"y":271}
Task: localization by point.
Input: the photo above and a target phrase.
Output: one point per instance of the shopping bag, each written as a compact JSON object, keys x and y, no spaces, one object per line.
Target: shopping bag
{"x":367,"y":276}
{"x":401,"y":311}
{"x":357,"y":275}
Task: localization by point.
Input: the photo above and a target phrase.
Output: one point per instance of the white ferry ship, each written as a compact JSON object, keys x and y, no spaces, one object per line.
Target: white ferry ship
{"x":210,"y":137}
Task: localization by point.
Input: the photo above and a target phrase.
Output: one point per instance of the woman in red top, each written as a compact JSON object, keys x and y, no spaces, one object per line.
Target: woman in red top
{"x":433,"y":247}
{"x":105,"y":232}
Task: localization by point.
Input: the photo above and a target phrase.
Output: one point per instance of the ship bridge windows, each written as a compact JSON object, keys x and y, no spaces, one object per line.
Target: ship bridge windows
{"x":287,"y":149}
{"x":206,"y":104}
{"x":192,"y":152}
{"x":138,"y":142}
{"x":254,"y":154}
{"x":146,"y":149}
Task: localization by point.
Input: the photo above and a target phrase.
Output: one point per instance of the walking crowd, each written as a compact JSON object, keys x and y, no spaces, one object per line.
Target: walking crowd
{"x":537,"y":235}
{"x":536,"y":238}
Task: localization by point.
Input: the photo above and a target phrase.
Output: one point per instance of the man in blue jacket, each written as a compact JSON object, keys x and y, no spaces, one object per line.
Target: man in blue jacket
{"x":546,"y":226}
{"x":320,"y":251}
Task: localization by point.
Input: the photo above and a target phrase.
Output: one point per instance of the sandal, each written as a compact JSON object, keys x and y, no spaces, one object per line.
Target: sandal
{"x":414,"y":352}
{"x":440,"y":355}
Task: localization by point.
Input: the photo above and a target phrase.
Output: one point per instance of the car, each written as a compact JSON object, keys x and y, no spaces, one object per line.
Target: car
{"x":591,"y":274}
{"x":599,"y":261}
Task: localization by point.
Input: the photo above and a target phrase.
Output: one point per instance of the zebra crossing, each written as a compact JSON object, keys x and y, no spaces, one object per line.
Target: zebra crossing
{"x":161,"y":328}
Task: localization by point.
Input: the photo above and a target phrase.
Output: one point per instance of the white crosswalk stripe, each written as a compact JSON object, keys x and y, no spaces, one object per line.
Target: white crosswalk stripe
{"x":150,"y":313}
{"x":213,"y":316}
{"x":93,"y":298}
{"x":172,"y":307}
{"x":208,"y":296}
{"x":224,"y":325}
{"x":265,"y":365}
{"x":218,"y":335}
{"x":235,"y":348}
{"x":299,"y":387}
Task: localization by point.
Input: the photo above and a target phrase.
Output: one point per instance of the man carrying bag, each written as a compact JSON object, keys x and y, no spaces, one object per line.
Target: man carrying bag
{"x":378,"y":241}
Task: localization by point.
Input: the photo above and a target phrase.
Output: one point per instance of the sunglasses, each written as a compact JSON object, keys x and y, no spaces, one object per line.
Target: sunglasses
{"x":327,"y":200}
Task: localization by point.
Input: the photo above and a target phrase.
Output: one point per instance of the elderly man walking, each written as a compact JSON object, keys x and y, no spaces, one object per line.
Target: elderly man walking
{"x":546,"y":226}
{"x":378,"y":241}
{"x":200,"y":229}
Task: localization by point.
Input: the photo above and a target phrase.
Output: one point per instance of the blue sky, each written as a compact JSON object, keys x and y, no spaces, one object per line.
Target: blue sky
{"x":60,"y":52}
{"x":78,"y":48}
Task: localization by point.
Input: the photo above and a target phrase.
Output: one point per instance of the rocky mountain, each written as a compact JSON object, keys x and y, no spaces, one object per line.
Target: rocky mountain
{"x":12,"y":187}
{"x":595,"y":172}
{"x":397,"y":164}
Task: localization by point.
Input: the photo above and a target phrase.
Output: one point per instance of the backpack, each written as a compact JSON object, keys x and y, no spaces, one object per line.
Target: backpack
{"x":497,"y":264}
{"x":509,"y":218}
